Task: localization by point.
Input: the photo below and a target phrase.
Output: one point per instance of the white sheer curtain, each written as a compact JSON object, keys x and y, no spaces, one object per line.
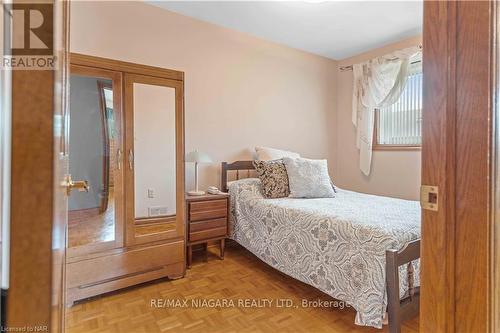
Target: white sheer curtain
{"x":377,"y":83}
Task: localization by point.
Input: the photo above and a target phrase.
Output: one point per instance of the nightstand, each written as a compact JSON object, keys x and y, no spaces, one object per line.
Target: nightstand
{"x":207,"y":218}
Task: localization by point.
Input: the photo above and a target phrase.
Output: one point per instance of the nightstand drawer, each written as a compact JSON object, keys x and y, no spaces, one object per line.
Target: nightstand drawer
{"x":208,"y":224}
{"x":207,"y":221}
{"x":207,"y":234}
{"x":205,"y":210}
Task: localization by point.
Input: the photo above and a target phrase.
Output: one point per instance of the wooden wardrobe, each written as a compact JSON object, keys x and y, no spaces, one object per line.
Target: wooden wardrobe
{"x":126,"y":158}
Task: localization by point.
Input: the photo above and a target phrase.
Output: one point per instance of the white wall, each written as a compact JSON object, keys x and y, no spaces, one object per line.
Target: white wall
{"x":240,"y":91}
{"x":154,"y":148}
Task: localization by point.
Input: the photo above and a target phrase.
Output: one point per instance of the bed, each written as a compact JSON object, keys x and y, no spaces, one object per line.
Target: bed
{"x":358,"y":248}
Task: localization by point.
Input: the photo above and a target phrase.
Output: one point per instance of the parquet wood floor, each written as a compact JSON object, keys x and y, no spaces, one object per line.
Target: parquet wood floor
{"x":84,"y":228}
{"x":240,"y":276}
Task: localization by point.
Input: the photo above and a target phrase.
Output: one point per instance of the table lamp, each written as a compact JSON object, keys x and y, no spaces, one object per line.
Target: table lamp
{"x":197,"y":157}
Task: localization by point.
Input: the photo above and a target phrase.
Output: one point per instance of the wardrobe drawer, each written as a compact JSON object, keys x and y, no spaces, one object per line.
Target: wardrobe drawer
{"x":205,"y":210}
{"x":208,"y":224}
{"x":108,"y":267}
{"x":207,"y":234}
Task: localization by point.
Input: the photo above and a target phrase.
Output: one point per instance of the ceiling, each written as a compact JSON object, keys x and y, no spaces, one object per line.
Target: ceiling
{"x":334,"y":29}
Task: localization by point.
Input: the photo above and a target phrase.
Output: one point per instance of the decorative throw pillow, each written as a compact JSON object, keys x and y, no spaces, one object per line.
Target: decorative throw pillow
{"x":273,"y":178}
{"x":308,"y":178}
{"x":269,"y":154}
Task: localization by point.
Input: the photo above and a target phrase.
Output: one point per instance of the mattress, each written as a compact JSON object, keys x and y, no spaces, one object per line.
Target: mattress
{"x":336,"y":245}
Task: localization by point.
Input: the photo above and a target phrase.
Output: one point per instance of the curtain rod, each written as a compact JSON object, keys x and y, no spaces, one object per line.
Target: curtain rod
{"x":349,"y":68}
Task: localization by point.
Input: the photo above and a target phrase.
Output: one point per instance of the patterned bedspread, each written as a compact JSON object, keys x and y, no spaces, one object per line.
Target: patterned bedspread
{"x":334,"y":244}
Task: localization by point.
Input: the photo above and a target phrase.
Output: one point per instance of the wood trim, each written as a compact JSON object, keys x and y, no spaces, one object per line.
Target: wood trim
{"x":438,"y":167}
{"x":119,"y":175}
{"x":397,"y":147}
{"x":119,"y":250}
{"x":37,"y":202}
{"x":378,"y":146}
{"x":31,"y":198}
{"x":171,"y":271}
{"x":130,"y":79}
{"x":60,"y":170}
{"x":473,"y":142}
{"x":126,"y":67}
{"x":456,"y":158}
{"x":106,"y":149}
{"x":495,"y":182}
{"x":155,"y":220}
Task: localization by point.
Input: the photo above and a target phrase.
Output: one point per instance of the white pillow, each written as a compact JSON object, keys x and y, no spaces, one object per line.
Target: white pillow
{"x":308,"y":178}
{"x":269,"y":154}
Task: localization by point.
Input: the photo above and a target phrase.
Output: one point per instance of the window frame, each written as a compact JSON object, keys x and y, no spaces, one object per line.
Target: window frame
{"x":395,"y":147}
{"x":379,"y":146}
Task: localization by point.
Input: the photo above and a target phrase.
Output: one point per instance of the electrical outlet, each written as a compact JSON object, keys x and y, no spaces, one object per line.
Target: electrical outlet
{"x":151,"y":193}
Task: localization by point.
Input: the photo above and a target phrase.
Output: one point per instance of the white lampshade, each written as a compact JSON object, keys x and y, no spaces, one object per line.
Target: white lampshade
{"x":198,"y":157}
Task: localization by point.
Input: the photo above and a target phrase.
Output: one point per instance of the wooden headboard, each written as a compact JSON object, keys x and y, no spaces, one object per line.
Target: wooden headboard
{"x":235,"y":166}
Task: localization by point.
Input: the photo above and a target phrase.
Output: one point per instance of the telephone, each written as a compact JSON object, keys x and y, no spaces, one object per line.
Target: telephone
{"x":213,"y":190}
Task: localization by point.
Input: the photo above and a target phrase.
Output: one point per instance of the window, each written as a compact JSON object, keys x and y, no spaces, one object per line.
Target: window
{"x":399,"y":126}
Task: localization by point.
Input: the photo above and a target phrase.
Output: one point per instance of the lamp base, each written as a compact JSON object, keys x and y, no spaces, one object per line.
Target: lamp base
{"x":194,"y":193}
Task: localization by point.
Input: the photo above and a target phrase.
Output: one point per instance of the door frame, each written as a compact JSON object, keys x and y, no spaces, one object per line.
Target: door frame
{"x":35,"y":298}
{"x":495,"y":179}
{"x":456,"y":157}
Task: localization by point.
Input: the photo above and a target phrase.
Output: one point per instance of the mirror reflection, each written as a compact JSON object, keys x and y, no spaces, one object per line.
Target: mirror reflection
{"x":154,"y":149}
{"x":91,"y":216}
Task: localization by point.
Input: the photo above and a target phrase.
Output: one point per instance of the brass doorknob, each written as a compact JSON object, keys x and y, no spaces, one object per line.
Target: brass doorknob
{"x":80,"y":185}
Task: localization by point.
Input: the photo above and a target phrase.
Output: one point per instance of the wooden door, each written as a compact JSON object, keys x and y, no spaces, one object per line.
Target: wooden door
{"x":456,"y":144}
{"x":37,"y":195}
{"x":495,"y":235}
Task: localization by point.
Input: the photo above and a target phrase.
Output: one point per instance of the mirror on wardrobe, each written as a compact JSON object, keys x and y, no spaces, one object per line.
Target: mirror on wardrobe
{"x":154,"y":149}
{"x":91,"y":214}
{"x":94,"y":143}
{"x":152,"y":111}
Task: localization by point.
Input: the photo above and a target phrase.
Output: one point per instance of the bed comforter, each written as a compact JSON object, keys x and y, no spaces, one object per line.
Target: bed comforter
{"x":334,"y":244}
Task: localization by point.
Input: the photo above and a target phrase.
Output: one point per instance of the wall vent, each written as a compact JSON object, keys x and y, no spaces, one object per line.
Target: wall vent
{"x":158,"y":211}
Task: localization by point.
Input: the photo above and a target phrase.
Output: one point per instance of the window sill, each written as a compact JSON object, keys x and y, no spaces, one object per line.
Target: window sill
{"x":397,"y":147}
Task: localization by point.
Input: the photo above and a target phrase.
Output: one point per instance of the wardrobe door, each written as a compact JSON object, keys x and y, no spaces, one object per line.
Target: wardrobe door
{"x":96,"y":210}
{"x":155,"y":159}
